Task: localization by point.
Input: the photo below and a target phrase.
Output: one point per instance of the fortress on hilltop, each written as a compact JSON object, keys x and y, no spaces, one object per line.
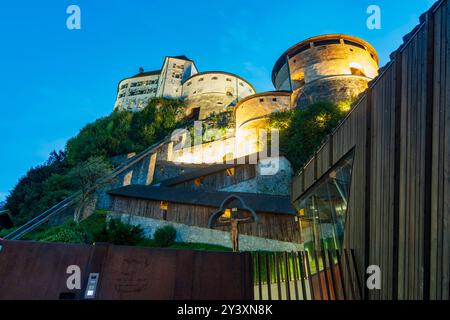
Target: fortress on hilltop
{"x":180,"y":184}
{"x":332,"y":67}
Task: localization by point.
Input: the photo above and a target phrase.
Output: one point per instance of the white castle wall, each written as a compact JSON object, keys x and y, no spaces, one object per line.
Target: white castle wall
{"x":214,"y":92}
{"x":133,"y":93}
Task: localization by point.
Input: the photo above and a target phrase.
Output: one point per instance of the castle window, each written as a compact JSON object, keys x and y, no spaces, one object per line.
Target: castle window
{"x":198,"y":182}
{"x":301,"y":49}
{"x":188,"y":84}
{"x":214,"y":78}
{"x":355,"y":44}
{"x":230,"y":172}
{"x":228,"y":79}
{"x":357,"y":72}
{"x":274,"y":99}
{"x":356,"y":69}
{"x":261,"y":100}
{"x":326,"y":42}
{"x":201,"y":79}
{"x":241,"y":84}
{"x":195,"y":113}
{"x":219,"y":103}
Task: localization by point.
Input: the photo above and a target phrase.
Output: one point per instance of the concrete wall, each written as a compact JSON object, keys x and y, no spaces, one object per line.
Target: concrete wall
{"x":193,"y":234}
{"x":214,"y":92}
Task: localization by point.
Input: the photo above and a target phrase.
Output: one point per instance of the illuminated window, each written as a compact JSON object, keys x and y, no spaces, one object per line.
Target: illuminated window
{"x":198,"y":182}
{"x":164,"y":205}
{"x":226,"y":216}
{"x":357,"y":72}
{"x":230,"y":172}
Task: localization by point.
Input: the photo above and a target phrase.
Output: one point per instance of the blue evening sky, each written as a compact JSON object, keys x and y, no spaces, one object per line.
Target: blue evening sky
{"x":54,"y":81}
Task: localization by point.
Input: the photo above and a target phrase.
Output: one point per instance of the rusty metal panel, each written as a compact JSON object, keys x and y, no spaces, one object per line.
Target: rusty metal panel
{"x":34,"y":270}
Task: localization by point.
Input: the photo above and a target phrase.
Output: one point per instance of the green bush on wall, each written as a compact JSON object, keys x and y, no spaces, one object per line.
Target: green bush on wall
{"x":117,"y":232}
{"x":302,"y":131}
{"x":165,"y":236}
{"x":67,"y":233}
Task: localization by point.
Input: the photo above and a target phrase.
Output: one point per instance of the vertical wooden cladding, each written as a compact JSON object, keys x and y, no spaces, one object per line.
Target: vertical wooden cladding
{"x":412,"y":167}
{"x":381,"y":204}
{"x":323,"y":159}
{"x":309,"y":172}
{"x":406,"y":112}
{"x":280,"y":227}
{"x":352,"y":134}
{"x":440,"y":172}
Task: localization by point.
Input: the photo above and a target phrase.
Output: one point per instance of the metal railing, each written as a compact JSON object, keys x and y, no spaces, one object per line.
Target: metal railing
{"x":306,"y":275}
{"x":74,"y":198}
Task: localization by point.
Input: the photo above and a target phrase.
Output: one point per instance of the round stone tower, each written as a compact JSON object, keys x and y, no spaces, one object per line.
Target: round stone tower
{"x":213,"y":92}
{"x":331,"y":67}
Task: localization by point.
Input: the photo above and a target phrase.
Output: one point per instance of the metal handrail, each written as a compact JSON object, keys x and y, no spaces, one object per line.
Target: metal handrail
{"x":67,"y":202}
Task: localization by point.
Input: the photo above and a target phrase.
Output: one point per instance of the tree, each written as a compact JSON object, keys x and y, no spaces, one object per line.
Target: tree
{"x":27,"y":199}
{"x":302,"y":131}
{"x":86,"y":178}
{"x":125,"y":131}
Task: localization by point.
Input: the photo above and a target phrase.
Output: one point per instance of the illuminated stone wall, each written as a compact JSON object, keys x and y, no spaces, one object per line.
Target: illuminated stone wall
{"x":254,"y":111}
{"x":252,"y":116}
{"x":330,"y":67}
{"x":214,"y":92}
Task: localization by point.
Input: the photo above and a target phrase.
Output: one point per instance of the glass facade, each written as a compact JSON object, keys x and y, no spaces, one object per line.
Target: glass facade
{"x":322,"y":211}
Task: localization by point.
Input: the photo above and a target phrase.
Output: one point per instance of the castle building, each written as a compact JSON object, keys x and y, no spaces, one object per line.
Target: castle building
{"x":331,"y":67}
{"x":134,"y":92}
{"x":205,"y":93}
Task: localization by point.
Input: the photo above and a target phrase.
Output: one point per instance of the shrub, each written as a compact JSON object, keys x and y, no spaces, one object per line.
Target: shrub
{"x":302,"y":131}
{"x":125,"y":131}
{"x":117,"y":232}
{"x":67,"y":233}
{"x":39,"y":189}
{"x":165,"y":236}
